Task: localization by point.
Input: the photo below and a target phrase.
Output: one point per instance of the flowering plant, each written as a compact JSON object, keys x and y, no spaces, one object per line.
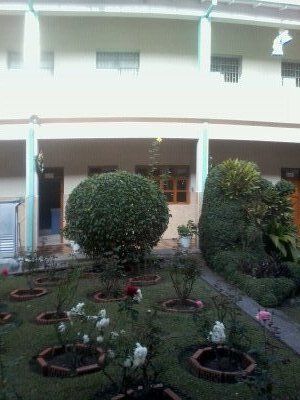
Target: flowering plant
{"x":4,"y":273}
{"x":217,"y":334}
{"x":134,"y":292}
{"x":263,"y":315}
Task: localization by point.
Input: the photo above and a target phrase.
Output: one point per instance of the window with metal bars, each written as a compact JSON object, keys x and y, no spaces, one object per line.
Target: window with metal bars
{"x":101,"y":170}
{"x":229,"y":67}
{"x":290,"y":71}
{"x":173,"y":181}
{"x":118,"y":61}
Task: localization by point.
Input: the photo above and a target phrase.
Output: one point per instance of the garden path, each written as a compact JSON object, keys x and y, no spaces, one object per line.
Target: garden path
{"x":286,"y":330}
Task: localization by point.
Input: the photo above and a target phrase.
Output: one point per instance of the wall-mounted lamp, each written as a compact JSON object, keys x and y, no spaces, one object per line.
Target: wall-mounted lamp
{"x":281,"y":39}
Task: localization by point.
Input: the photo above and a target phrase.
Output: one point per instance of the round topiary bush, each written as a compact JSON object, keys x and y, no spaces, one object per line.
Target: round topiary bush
{"x":116,"y":212}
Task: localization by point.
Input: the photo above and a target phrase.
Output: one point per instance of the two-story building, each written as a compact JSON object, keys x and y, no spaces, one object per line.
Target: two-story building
{"x":91,"y":84}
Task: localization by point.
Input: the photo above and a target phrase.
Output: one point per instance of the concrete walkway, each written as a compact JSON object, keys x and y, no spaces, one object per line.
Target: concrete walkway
{"x":286,"y":330}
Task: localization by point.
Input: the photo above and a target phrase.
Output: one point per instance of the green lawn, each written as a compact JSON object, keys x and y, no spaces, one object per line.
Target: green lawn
{"x":24,"y":340}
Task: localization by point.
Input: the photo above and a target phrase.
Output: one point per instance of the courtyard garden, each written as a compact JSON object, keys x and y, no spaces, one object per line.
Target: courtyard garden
{"x":125,"y":324}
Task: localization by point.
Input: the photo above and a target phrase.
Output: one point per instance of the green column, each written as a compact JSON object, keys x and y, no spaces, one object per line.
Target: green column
{"x":30,"y":176}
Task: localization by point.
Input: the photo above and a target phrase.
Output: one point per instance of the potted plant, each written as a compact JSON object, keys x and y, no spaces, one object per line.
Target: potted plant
{"x":186,"y":233}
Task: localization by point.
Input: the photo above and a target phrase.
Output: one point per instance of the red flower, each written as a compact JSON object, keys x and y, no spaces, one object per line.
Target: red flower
{"x":5,"y":272}
{"x":131,"y":290}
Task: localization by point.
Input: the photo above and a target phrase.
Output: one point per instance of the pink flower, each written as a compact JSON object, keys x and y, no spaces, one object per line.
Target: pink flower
{"x":5,"y":272}
{"x":131,"y":290}
{"x":263,"y":315}
{"x":199,"y":304}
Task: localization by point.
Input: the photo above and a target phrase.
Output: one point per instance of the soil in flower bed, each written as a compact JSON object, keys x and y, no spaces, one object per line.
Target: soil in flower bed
{"x":221,"y":364}
{"x":50,"y":317}
{"x":144,"y":280}
{"x":27,"y":294}
{"x":45,"y":281}
{"x":176,"y":305}
{"x":69,"y":361}
{"x":158,"y":392}
{"x":226,"y":361}
{"x":5,"y":317}
{"x":100,"y":297}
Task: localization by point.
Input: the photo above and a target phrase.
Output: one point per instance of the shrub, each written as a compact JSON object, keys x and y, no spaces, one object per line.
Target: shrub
{"x":268,"y":292}
{"x":239,"y":178}
{"x":228,"y":262}
{"x":184,"y":272}
{"x":116,"y":212}
{"x":223,"y":224}
{"x":295,"y":274}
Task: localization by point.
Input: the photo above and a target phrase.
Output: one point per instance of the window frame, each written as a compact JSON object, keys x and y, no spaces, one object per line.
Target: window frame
{"x":101,"y":168}
{"x":295,"y":78}
{"x":223,"y":74}
{"x":145,"y":170}
{"x":118,"y":68}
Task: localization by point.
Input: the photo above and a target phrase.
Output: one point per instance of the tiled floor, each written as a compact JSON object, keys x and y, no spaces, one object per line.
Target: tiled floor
{"x":64,"y":249}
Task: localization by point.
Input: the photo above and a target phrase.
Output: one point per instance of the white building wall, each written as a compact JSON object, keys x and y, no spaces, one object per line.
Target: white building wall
{"x":270,"y":157}
{"x":168,"y":84}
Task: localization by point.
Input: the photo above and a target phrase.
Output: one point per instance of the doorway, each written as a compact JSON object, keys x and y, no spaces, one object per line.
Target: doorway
{"x":51,"y":206}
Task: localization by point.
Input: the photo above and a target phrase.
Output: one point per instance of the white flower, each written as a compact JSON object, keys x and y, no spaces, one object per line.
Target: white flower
{"x":85,"y":339}
{"x":102,"y":313}
{"x":78,"y":310}
{"x":92,"y":317}
{"x":114,"y":335}
{"x":103,"y":323}
{"x":100,"y":339}
{"x":61,"y":327}
{"x":122,"y":332}
{"x":128,"y":362}
{"x":110,"y":353}
{"x":217,"y":335}
{"x":138,"y":296}
{"x":139,"y":355}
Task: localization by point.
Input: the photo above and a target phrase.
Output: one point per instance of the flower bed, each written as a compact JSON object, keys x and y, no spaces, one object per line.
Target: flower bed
{"x":177,"y":305}
{"x":50,"y":317}
{"x":99,"y":297}
{"x":221,"y":364}
{"x":70,"y":360}
{"x":144,"y":280}
{"x":27,"y":294}
{"x":5,"y":317}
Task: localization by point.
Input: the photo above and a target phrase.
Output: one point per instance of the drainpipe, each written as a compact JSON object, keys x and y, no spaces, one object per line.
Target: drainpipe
{"x":31,"y":56}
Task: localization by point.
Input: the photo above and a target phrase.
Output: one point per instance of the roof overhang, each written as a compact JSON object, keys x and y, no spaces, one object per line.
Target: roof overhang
{"x":278,"y":13}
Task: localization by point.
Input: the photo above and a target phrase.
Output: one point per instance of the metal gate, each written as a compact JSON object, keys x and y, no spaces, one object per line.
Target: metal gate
{"x":8,"y":229}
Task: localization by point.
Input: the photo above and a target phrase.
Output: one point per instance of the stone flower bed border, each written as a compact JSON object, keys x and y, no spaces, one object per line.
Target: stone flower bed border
{"x":166,"y":306}
{"x":42,"y":319}
{"x":55,"y":370}
{"x":144,"y":280}
{"x":219,"y":376}
{"x":5,"y":317}
{"x":98,"y":299}
{"x":34,"y":293}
